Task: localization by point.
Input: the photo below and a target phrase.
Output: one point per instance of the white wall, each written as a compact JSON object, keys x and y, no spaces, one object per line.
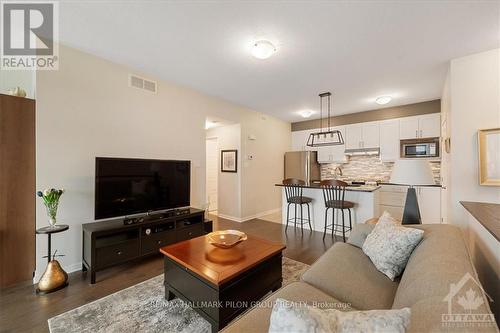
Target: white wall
{"x":445,"y":156}
{"x":485,"y":253}
{"x":475,"y":104}
{"x":471,"y":99}
{"x":86,"y":109}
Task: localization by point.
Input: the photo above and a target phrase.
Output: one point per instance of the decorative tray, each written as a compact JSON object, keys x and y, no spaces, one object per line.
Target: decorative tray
{"x":226,"y":239}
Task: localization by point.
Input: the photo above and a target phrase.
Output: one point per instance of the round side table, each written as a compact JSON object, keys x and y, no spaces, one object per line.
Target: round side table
{"x":54,"y":278}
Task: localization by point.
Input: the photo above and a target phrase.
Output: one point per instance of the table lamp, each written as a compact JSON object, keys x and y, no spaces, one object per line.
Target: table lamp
{"x":412,"y":173}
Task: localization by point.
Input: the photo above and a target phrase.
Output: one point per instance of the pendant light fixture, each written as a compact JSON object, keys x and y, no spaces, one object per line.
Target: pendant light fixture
{"x":326,"y":136}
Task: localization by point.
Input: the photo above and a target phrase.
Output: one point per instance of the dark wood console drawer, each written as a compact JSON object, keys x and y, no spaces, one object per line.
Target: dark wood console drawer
{"x":190,"y":232}
{"x":109,"y":255}
{"x":151,"y":243}
{"x":112,"y":242}
{"x":190,"y":221}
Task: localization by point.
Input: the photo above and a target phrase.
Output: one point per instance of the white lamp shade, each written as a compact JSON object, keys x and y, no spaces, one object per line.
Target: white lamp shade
{"x":412,"y":172}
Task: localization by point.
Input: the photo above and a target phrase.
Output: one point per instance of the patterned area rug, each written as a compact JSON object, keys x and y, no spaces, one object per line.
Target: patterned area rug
{"x":143,"y":308}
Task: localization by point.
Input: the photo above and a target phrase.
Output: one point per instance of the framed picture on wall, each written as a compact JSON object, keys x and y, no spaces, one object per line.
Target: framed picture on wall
{"x":489,"y":156}
{"x":229,"y":160}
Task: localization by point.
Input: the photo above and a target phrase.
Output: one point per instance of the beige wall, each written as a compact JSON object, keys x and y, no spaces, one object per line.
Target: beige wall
{"x":261,"y":142}
{"x":229,"y":184}
{"x":23,"y":79}
{"x":86,"y":109}
{"x":270,"y":140}
{"x":471,"y":97}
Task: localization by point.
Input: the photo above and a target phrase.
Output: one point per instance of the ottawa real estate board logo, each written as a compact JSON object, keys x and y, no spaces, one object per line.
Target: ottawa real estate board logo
{"x":29,"y":35}
{"x":467,"y":306}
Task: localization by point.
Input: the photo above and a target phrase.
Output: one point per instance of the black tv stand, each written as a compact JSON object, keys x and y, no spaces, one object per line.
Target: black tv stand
{"x":157,"y":216}
{"x":112,"y":242}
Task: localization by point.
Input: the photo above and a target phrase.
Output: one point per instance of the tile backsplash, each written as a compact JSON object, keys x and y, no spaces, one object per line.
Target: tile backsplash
{"x":368,"y":168}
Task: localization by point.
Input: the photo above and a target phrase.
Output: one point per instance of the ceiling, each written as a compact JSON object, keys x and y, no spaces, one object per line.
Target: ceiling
{"x":358,"y":50}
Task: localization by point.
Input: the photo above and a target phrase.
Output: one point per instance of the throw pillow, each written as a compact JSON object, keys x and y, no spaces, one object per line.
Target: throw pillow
{"x":389,"y":245}
{"x":301,"y":318}
{"x":359,"y":233}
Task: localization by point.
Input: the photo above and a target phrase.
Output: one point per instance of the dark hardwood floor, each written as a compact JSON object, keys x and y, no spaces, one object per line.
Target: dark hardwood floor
{"x":21,"y":310}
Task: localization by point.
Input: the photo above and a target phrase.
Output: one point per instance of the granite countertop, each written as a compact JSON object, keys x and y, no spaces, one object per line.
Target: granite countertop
{"x":360,"y":188}
{"x":488,"y":214}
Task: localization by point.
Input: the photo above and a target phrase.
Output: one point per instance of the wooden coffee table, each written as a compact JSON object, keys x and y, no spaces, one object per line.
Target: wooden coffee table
{"x":221,"y":283}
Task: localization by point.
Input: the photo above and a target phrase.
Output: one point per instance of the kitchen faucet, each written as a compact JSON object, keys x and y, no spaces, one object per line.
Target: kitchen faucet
{"x":335,"y":172}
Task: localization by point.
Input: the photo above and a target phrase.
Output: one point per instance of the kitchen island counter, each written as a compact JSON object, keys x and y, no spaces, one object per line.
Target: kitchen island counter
{"x":351,"y":188}
{"x":365,"y":199}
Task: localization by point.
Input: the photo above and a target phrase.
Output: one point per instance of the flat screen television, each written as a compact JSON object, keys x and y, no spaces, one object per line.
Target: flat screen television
{"x":125,"y":186}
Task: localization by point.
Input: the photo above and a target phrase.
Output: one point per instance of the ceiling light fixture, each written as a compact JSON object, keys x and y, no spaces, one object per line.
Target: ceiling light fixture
{"x":382,"y":100}
{"x":327,"y":136}
{"x":263,"y":49}
{"x":306,"y":113}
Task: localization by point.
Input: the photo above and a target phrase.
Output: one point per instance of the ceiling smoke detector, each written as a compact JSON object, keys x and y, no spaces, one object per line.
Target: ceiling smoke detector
{"x":263,"y":49}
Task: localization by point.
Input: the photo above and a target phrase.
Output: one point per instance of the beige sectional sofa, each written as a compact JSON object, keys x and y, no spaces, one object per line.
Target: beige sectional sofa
{"x":345,"y":275}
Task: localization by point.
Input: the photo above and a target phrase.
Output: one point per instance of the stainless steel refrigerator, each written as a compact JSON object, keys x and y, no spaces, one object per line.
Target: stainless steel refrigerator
{"x":302,"y":165}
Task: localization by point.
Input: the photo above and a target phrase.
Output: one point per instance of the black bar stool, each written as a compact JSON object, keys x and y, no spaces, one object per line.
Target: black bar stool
{"x":293,"y":192}
{"x":334,"y":193}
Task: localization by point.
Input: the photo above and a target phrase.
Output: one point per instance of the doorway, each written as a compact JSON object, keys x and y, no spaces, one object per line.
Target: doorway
{"x":212,"y":171}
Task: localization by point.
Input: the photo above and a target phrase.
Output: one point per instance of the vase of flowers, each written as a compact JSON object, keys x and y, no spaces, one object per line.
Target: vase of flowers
{"x":50,"y":199}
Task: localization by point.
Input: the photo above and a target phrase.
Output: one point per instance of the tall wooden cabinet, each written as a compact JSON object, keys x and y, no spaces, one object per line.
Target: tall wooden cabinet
{"x":17,"y":189}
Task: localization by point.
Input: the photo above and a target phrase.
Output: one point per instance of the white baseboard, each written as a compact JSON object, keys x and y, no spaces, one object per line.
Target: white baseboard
{"x":251,"y":217}
{"x":229,"y":217}
{"x":67,"y":268}
{"x":259,"y":215}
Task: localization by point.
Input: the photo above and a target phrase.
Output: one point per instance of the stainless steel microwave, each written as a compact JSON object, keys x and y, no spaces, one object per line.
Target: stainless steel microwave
{"x":420,"y":148}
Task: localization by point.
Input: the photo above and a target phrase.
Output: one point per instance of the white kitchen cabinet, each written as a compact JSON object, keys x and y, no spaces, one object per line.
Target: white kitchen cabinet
{"x":353,"y":136}
{"x":395,"y":212}
{"x":371,"y":135}
{"x":333,"y":154}
{"x":429,"y":125}
{"x":299,"y":140}
{"x":389,"y":140}
{"x":429,"y":202}
{"x":392,"y":200}
{"x":324,"y":155}
{"x":408,"y":128}
{"x":363,"y":135}
{"x":425,"y":126}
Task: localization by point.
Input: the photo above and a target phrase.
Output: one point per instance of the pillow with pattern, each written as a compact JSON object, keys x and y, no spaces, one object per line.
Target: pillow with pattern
{"x":289,"y":317}
{"x":390,"y":245}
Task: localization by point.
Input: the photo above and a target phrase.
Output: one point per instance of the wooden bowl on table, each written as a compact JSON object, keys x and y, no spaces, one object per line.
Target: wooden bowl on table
{"x":226,"y":239}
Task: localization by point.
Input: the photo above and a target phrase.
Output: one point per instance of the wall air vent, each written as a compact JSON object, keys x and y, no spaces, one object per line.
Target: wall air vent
{"x":142,"y":83}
